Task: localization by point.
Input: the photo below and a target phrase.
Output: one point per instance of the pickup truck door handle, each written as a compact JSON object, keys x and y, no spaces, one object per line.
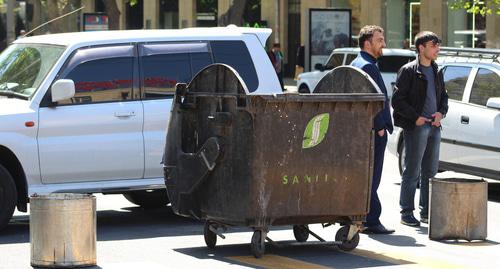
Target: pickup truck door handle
{"x":124,"y":114}
{"x":464,"y":120}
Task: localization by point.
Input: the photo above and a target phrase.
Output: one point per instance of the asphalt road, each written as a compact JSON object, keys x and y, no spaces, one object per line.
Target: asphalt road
{"x":130,"y":237}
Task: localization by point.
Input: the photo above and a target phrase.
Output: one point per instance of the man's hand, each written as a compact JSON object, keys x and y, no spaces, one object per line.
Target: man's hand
{"x":381,"y":133}
{"x":421,"y":121}
{"x":437,"y":119}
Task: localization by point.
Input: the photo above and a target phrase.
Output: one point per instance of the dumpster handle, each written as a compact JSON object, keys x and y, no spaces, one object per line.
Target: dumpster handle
{"x":205,"y":160}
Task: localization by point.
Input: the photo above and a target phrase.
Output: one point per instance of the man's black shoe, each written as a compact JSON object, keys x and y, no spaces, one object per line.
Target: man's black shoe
{"x":377,"y":229}
{"x":410,"y":220}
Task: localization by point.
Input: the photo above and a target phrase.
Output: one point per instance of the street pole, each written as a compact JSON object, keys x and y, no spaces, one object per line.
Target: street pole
{"x":11,"y":26}
{"x":277,"y":16}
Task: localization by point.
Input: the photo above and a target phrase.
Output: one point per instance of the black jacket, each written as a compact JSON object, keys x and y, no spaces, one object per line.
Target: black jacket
{"x":410,"y":93}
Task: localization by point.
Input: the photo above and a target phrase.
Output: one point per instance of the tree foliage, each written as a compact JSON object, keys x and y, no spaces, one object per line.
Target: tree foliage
{"x":483,"y":7}
{"x":234,"y":14}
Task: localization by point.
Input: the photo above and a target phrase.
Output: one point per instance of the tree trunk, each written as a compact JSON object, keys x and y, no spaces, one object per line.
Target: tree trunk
{"x":234,"y":14}
{"x":36,"y":19}
{"x":69,"y":23}
{"x":113,"y":14}
{"x":53,"y":12}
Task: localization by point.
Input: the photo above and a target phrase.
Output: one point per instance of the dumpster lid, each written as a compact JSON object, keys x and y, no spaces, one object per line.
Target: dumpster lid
{"x":347,"y":79}
{"x":218,"y":78}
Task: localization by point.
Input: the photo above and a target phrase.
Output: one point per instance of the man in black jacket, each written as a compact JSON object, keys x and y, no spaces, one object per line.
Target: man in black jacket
{"x":420,"y":102}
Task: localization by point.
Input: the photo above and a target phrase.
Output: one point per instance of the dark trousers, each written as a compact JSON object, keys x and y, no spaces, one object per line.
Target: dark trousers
{"x":280,"y":78}
{"x":378,"y":163}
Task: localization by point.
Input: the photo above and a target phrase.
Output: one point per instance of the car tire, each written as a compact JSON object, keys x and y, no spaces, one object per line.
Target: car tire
{"x":148,"y":198}
{"x":304,"y":89}
{"x":8,"y":197}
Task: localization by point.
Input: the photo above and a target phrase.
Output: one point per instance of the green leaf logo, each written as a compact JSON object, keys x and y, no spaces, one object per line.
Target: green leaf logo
{"x":316,"y":130}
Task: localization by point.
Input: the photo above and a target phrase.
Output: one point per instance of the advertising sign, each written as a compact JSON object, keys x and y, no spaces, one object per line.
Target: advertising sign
{"x":328,"y":29}
{"x":95,"y":22}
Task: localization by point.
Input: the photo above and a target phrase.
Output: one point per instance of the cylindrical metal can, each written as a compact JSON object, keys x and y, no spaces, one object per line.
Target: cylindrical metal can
{"x":63,"y":230}
{"x":458,"y":209}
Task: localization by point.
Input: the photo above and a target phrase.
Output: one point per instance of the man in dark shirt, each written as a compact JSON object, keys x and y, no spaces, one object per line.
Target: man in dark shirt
{"x":371,"y":42}
{"x":420,"y":102}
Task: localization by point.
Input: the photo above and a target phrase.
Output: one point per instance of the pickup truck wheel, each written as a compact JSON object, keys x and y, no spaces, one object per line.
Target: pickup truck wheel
{"x":148,"y":198}
{"x":8,"y":197}
{"x":304,"y":89}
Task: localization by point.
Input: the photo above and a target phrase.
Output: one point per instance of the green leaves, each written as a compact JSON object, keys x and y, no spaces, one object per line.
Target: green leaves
{"x":482,"y":7}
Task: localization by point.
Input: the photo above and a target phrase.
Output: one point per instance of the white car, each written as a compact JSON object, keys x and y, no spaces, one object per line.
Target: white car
{"x":388,"y":64}
{"x":87,"y":112}
{"x":470,"y":137}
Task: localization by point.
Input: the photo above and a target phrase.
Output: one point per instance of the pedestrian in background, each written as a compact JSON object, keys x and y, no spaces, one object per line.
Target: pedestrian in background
{"x":371,"y":42}
{"x":300,"y":60}
{"x":276,"y":58}
{"x":420,"y":102}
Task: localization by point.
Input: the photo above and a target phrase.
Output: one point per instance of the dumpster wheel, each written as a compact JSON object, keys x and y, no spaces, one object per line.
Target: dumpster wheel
{"x":210,"y":236}
{"x":342,"y":235}
{"x":301,"y":232}
{"x":258,"y":244}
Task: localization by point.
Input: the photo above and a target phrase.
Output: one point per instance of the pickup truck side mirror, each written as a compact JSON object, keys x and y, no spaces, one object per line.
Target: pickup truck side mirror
{"x":319,"y":67}
{"x":62,"y":89}
{"x":493,"y":102}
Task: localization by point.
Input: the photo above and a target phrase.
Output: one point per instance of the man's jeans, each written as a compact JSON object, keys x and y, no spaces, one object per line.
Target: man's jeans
{"x":420,"y":163}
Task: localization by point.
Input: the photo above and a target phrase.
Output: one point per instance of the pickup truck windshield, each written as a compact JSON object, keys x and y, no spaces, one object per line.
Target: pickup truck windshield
{"x":24,"y":66}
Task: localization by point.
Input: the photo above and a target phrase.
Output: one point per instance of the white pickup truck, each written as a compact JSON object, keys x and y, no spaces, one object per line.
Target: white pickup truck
{"x":87,"y":112}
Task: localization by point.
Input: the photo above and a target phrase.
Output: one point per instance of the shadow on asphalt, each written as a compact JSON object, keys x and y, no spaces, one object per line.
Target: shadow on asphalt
{"x":476,"y":243}
{"x":398,"y":240}
{"x":327,"y":256}
{"x":494,"y":191}
{"x":125,"y":224}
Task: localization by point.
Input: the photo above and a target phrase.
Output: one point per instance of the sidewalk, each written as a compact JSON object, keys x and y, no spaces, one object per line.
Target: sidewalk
{"x":290,"y":84}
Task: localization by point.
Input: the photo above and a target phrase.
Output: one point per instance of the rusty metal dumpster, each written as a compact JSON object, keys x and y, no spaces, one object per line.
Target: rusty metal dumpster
{"x":239,"y":159}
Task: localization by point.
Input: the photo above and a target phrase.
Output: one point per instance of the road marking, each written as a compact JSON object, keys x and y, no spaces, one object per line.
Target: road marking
{"x":421,"y":261}
{"x":396,"y":258}
{"x":277,"y":262}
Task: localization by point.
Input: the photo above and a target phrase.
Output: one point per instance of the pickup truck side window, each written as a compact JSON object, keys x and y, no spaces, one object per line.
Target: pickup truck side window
{"x":485,"y":86}
{"x":101,"y":74}
{"x":236,"y":55}
{"x":392,"y":64}
{"x":166,"y":64}
{"x":334,"y":61}
{"x":455,"y":78}
{"x":350,"y":58}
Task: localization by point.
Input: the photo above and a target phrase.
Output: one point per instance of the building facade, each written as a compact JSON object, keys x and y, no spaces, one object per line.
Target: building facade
{"x":289,"y":19}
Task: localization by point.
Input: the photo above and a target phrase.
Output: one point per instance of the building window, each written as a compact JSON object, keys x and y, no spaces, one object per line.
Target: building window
{"x":206,"y":13}
{"x":169,"y":14}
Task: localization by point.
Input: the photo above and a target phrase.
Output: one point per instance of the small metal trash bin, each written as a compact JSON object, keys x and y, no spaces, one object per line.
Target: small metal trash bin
{"x":63,"y":230}
{"x":458,"y":209}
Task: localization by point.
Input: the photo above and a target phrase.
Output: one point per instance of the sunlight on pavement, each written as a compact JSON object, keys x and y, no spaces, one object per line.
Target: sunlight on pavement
{"x":275,"y":262}
{"x":419,"y":261}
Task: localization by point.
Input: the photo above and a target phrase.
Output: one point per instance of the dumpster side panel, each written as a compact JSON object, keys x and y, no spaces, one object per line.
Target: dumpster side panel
{"x":329,"y":180}
{"x":226,"y":191}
